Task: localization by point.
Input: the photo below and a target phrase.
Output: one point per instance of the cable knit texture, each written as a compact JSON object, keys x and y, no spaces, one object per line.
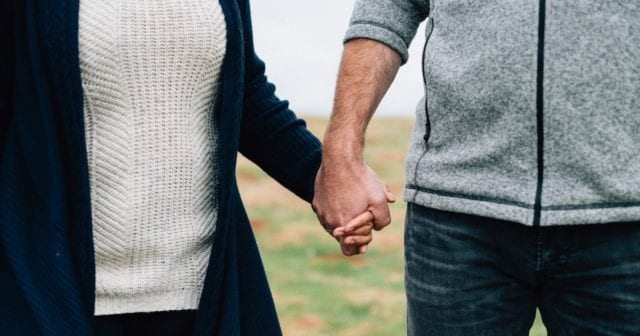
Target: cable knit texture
{"x":150,"y":74}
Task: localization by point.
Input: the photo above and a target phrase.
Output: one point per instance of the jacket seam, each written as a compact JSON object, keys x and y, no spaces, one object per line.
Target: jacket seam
{"x":593,"y":206}
{"x":561,"y":207}
{"x":469,"y":197}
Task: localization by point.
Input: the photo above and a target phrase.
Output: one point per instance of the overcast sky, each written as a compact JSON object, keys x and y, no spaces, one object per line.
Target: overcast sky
{"x":301,"y":43}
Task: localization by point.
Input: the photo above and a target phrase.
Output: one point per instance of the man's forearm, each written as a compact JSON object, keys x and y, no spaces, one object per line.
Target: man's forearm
{"x":345,"y":187}
{"x":367,"y":70}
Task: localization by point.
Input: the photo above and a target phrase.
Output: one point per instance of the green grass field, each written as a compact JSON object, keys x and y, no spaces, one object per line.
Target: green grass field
{"x":317,"y":290}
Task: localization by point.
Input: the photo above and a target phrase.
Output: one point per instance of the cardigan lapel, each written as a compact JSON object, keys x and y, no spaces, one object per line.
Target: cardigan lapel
{"x":44,"y":222}
{"x":58,"y":23}
{"x":221,"y":285}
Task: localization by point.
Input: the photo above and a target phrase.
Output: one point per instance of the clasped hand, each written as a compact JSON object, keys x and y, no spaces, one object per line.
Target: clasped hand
{"x":350,"y":202}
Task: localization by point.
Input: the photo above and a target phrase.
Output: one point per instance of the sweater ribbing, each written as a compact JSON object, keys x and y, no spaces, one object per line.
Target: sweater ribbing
{"x":150,"y":73}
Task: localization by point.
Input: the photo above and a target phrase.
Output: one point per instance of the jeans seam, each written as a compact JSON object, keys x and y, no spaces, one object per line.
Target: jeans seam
{"x":539,"y":248}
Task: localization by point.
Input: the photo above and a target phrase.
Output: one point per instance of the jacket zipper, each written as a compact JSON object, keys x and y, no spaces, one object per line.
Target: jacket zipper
{"x":537,"y":209}
{"x":427,"y":132}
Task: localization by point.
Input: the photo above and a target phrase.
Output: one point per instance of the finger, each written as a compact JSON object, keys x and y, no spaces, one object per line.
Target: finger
{"x":329,"y":230}
{"x":348,"y":250}
{"x":360,"y":231}
{"x":360,"y":220}
{"x":358,"y":240}
{"x":389,"y":194}
{"x":338,"y":232}
{"x":359,"y":249}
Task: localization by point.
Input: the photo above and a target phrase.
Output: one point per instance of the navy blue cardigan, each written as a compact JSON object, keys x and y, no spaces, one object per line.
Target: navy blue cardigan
{"x":46,"y":248}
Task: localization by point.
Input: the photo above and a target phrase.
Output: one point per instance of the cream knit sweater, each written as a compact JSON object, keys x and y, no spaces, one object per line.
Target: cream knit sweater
{"x":150,"y":74}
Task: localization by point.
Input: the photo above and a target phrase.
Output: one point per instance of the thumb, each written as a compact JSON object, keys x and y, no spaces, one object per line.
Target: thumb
{"x":381,"y":215}
{"x":389,"y":194}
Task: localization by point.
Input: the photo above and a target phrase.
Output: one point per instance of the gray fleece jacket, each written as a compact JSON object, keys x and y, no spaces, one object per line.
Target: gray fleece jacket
{"x":532,"y":108}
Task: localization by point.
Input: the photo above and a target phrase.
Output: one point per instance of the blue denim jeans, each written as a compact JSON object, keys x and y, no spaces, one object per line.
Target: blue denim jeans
{"x":470,"y":275}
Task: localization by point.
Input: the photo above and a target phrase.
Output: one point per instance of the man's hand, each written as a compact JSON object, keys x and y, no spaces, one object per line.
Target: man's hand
{"x":345,"y":191}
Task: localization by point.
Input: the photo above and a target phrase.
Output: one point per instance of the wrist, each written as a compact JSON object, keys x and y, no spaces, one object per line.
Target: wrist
{"x":342,"y":153}
{"x":343,"y":145}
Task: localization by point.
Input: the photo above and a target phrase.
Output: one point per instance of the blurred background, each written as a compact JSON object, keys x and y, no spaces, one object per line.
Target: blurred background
{"x":301,"y":42}
{"x":317,"y":290}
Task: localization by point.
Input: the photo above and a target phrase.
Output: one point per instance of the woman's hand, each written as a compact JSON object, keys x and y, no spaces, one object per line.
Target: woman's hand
{"x":355,"y":237}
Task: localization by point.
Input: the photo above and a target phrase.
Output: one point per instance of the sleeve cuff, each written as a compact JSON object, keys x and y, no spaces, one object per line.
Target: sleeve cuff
{"x":380,"y":33}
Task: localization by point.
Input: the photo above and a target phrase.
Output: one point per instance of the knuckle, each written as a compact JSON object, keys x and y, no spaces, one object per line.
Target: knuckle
{"x":332,"y":222}
{"x":380,"y":202}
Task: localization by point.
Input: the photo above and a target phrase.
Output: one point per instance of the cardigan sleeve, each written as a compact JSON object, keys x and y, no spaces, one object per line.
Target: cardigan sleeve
{"x":7,"y":65}
{"x":271,"y":135}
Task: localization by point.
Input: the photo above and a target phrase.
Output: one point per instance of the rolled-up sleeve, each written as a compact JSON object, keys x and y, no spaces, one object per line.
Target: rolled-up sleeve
{"x":392,"y":22}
